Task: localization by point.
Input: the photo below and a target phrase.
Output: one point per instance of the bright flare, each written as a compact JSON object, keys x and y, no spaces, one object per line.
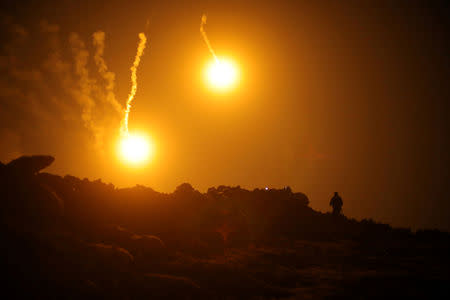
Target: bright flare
{"x":136,"y":149}
{"x":221,"y":74}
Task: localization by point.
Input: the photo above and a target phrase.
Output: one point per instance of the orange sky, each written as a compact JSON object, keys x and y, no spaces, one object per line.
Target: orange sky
{"x":331,"y":98}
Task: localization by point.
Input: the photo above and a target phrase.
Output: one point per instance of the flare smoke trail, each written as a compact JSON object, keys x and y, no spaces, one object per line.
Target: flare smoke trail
{"x":84,"y":94}
{"x":205,"y":37}
{"x":137,"y":59}
{"x":98,"y":39}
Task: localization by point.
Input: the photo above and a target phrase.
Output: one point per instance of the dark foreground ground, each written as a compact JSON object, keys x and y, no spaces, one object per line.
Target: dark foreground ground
{"x":63,"y":237}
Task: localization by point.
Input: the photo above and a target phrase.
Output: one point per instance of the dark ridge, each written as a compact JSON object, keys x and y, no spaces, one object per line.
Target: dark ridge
{"x":66,"y":237}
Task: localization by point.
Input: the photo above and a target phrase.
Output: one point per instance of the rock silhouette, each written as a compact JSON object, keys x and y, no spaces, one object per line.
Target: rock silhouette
{"x":29,"y":165}
{"x":70,"y":238}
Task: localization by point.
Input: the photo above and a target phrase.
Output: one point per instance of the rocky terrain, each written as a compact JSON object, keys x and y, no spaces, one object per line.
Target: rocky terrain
{"x":65,"y":237}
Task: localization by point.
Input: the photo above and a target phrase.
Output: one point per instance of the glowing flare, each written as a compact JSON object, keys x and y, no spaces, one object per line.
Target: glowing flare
{"x":135,"y":149}
{"x":137,"y":59}
{"x":221,"y":74}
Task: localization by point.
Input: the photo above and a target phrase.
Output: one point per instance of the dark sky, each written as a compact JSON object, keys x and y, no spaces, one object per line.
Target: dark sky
{"x":334,"y":96}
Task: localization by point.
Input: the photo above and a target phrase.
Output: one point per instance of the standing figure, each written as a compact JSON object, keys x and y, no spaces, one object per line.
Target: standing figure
{"x":336,"y":203}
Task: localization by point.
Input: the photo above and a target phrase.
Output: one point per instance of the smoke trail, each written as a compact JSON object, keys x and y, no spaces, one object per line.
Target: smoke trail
{"x":205,"y":37}
{"x":81,"y":56}
{"x":98,"y":39}
{"x":137,"y":59}
{"x":83,"y":94}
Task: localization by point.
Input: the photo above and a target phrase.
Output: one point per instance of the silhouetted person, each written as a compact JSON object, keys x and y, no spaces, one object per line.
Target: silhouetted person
{"x":336,"y":203}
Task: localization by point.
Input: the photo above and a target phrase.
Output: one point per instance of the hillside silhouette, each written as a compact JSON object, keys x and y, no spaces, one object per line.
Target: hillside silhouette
{"x":66,"y":237}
